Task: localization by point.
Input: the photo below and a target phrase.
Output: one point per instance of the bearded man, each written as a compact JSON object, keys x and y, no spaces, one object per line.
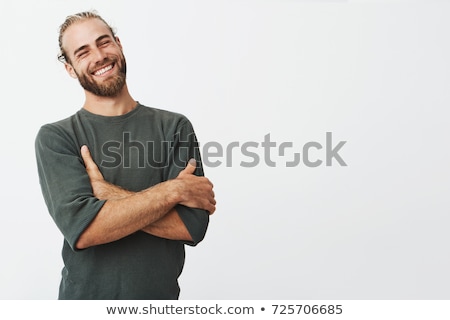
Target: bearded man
{"x":125,"y":217}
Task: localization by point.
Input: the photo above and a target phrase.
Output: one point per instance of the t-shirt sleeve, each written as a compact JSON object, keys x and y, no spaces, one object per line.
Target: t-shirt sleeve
{"x":64,"y":182}
{"x":185,"y":146}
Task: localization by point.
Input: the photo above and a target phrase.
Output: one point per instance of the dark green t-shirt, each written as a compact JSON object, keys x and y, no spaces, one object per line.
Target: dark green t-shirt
{"x":135,"y":151}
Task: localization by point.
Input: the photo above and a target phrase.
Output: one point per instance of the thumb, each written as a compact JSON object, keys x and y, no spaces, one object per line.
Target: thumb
{"x":91,"y":167}
{"x":86,"y":155}
{"x":190,"y":168}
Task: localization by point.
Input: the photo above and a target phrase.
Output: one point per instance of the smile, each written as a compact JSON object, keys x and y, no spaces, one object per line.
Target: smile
{"x":103,"y":70}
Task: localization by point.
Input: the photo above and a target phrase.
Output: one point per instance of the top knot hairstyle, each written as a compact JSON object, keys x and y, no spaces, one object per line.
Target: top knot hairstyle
{"x":72,"y":19}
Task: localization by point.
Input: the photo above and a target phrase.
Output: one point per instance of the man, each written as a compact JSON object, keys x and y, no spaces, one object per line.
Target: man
{"x":123,"y":182}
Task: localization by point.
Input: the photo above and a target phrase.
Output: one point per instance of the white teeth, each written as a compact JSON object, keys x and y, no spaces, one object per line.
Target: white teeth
{"x":103,"y":70}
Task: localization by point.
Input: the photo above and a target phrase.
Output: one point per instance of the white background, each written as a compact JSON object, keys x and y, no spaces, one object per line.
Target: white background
{"x":375,"y":74}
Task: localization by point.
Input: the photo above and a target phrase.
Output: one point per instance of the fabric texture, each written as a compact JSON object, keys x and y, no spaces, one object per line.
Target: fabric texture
{"x":134,"y":151}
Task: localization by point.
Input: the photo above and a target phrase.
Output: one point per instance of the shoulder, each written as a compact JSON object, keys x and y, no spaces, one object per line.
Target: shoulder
{"x":59,"y":130}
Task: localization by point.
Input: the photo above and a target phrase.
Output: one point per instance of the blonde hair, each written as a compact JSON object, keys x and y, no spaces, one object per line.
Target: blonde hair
{"x":70,"y":20}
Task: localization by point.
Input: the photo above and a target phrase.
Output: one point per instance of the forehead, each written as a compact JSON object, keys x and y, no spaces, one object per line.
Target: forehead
{"x":82,"y":33}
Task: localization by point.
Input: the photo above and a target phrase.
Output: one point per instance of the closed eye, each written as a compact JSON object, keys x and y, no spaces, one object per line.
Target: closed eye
{"x":103,"y":40}
{"x":82,"y":54}
{"x":104,"y":43}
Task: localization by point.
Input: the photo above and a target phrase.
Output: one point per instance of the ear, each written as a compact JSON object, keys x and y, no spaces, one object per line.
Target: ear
{"x":118,"y":42}
{"x":70,"y":70}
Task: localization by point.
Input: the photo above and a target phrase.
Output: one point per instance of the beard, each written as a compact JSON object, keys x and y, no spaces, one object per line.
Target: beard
{"x":109,"y":87}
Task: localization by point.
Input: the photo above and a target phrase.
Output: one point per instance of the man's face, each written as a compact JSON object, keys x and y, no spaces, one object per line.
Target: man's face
{"x":95,"y":57}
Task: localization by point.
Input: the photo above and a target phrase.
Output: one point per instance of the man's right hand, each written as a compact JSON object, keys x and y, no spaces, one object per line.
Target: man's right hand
{"x":196,"y":192}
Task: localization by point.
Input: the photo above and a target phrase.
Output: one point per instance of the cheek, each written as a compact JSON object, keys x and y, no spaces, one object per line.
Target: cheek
{"x":82,"y":69}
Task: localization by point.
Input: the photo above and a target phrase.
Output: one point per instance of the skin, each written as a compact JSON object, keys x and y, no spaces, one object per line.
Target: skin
{"x":88,"y":44}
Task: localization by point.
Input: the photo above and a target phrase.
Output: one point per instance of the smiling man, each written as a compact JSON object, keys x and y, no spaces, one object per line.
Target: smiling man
{"x":124,"y":226}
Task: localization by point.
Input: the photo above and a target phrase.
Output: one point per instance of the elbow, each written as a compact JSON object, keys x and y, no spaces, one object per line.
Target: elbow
{"x":80,"y":245}
{"x":199,"y":233}
{"x":83,"y":242}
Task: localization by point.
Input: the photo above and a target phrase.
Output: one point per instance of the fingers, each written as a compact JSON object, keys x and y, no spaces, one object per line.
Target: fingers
{"x":212,"y":204}
{"x":212,"y":208}
{"x":197,"y":191}
{"x":91,"y":168}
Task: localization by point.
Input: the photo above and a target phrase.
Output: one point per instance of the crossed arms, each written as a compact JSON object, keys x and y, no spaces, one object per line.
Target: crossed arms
{"x":151,"y":210}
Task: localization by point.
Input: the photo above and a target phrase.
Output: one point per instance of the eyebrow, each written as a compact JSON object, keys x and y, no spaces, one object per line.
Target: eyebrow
{"x":87,"y":46}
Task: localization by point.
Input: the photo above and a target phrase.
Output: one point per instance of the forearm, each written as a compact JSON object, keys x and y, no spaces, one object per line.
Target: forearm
{"x":125,"y":215}
{"x":170,"y":226}
{"x":125,"y":212}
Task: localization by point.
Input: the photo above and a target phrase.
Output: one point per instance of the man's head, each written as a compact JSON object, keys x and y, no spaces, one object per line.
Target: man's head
{"x":92,"y":53}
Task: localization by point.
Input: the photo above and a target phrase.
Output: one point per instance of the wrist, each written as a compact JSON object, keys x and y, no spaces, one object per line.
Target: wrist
{"x":173,"y":192}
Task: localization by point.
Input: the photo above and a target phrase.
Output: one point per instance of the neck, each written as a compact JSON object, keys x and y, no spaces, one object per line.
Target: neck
{"x":110,"y":106}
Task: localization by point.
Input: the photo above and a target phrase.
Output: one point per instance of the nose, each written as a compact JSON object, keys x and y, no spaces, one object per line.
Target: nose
{"x":98,"y":55}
